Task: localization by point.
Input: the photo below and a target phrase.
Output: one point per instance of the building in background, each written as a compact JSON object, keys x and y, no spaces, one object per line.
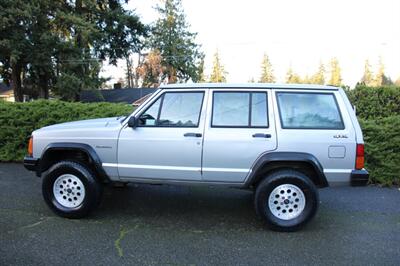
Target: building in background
{"x":6,"y":93}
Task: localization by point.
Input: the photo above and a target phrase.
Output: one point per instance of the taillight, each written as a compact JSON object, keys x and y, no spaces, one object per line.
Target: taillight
{"x":30,"y":146}
{"x":360,"y":156}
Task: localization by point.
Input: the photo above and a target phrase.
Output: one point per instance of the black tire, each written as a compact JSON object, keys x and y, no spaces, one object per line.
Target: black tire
{"x":92,"y":188}
{"x":267,"y":186}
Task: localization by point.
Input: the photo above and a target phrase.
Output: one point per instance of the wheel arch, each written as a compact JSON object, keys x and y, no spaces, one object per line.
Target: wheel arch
{"x":77,"y":151}
{"x":302,"y":162}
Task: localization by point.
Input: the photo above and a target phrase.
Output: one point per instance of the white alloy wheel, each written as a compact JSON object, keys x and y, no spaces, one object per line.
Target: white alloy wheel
{"x":69,"y":191}
{"x":286,"y":201}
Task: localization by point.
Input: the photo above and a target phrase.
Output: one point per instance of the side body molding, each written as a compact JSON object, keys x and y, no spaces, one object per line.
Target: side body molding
{"x":73,"y":147}
{"x":269,"y":159}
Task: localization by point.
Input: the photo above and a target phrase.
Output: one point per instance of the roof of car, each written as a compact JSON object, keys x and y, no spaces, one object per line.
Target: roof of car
{"x":248,"y":85}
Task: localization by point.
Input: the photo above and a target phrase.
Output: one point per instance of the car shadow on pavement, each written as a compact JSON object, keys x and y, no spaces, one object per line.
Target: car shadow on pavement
{"x":191,"y":207}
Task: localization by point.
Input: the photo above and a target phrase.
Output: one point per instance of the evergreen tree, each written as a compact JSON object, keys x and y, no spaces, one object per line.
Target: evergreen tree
{"x":59,"y":45}
{"x":387,"y":81}
{"x":110,"y":32}
{"x":336,"y":77}
{"x":202,"y":76}
{"x":367,"y":78}
{"x":381,"y":79}
{"x":218,"y":73}
{"x":292,"y":77}
{"x":380,"y":74}
{"x":15,"y":46}
{"x":42,"y":72}
{"x":397,"y":82}
{"x":267,"y":73}
{"x":181,"y":55}
{"x":306,"y":80}
{"x":319,"y":76}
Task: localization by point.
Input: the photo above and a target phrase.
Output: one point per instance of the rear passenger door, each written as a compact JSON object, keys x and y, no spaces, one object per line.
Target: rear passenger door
{"x":239,"y":128}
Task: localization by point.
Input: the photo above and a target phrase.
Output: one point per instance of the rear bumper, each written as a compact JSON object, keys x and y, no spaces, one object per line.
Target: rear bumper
{"x":359,"y":177}
{"x":32,"y":164}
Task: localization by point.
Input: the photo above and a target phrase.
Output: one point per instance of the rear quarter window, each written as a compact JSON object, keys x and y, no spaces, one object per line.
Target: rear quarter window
{"x":306,"y":110}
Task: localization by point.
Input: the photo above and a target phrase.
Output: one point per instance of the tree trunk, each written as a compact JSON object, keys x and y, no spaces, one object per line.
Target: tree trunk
{"x":171,"y":75}
{"x":80,"y":44}
{"x":44,"y":88}
{"x":77,"y":97}
{"x":129,"y":72}
{"x":137,"y":75}
{"x":16,"y":82}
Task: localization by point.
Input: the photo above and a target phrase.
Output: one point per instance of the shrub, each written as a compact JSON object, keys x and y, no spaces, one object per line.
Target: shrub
{"x":18,"y":120}
{"x":375,"y":102}
{"x":382,"y":148}
{"x":378,"y":110}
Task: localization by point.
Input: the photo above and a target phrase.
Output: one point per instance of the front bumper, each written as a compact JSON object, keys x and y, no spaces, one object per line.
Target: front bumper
{"x":32,"y":164}
{"x":359,"y":177}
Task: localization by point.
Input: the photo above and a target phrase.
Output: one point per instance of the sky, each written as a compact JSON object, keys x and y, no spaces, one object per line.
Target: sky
{"x":293,"y":33}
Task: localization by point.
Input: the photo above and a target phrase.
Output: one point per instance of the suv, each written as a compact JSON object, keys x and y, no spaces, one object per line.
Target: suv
{"x":282,"y":141}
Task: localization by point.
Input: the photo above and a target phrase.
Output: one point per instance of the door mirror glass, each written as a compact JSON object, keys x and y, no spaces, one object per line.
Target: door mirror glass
{"x":132,"y":122}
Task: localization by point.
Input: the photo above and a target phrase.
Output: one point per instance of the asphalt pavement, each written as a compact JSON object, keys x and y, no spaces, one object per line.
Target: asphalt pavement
{"x":172,"y":225}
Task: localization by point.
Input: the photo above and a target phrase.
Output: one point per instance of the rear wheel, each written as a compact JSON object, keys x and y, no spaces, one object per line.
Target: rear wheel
{"x":70,"y":189}
{"x":286,"y":200}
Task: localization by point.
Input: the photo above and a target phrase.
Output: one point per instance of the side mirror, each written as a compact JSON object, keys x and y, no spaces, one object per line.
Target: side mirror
{"x":132,"y":122}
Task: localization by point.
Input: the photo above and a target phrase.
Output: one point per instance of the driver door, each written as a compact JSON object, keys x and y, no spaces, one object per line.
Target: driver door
{"x":167,"y":142}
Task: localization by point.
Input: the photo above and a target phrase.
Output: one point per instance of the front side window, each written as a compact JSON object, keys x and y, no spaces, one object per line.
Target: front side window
{"x":309,"y":111}
{"x":240,"y":109}
{"x":149,"y":117}
{"x":174,"y":109}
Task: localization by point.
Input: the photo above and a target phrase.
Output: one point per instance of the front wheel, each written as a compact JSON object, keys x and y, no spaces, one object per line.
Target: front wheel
{"x":286,"y":200}
{"x":70,"y":189}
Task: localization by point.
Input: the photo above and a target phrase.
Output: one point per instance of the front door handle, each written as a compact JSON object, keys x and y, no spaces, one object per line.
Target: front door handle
{"x":261,"y":135}
{"x":196,"y":135}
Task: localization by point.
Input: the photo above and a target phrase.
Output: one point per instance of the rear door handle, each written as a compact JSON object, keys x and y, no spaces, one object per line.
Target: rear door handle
{"x":196,"y":135}
{"x":261,"y":135}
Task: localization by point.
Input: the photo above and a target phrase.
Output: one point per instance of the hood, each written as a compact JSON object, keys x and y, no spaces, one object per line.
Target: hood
{"x":88,"y":124}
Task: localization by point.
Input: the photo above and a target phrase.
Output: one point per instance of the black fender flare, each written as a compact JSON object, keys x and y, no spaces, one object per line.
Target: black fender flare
{"x":272,"y":157}
{"x":70,"y":146}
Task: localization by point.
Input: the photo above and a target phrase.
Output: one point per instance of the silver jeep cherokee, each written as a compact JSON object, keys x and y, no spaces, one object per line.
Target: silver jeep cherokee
{"x":282,"y":141}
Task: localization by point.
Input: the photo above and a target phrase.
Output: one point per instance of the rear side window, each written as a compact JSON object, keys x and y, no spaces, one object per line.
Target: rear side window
{"x":174,"y":109}
{"x":309,"y":111}
{"x":240,"y":109}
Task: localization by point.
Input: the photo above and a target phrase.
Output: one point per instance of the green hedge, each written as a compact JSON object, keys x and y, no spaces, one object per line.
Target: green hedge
{"x":375,"y":102}
{"x":382,"y":148}
{"x":378,"y":110}
{"x":18,"y":120}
